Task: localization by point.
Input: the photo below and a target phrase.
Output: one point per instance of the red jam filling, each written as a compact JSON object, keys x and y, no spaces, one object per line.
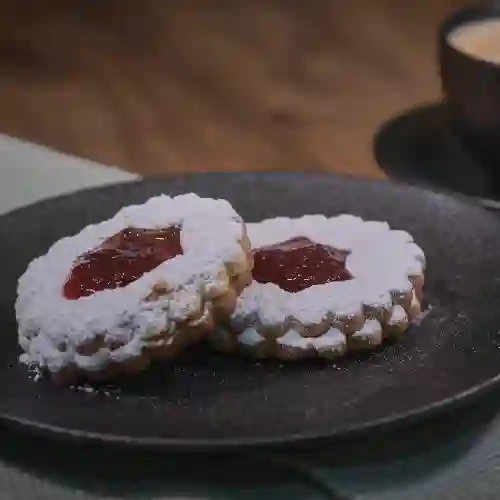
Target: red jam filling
{"x":299,"y":263}
{"x":122,"y":259}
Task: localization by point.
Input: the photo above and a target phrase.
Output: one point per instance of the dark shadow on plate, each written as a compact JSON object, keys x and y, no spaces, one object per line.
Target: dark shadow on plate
{"x":154,"y":381}
{"x":108,"y":472}
{"x":419,"y":148}
{"x":130,"y":473}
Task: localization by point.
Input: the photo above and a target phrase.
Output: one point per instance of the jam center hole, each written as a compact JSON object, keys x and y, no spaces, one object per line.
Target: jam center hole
{"x":299,"y":263}
{"x":122,"y":259}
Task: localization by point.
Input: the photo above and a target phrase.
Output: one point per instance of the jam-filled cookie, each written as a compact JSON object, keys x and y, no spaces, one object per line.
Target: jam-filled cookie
{"x":324,"y":286}
{"x":138,"y":286}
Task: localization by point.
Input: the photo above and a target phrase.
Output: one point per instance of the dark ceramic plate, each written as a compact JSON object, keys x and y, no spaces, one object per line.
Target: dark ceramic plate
{"x":208,"y":401}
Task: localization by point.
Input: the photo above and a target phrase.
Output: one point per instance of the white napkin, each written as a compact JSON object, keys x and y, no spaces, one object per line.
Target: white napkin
{"x":29,"y":173}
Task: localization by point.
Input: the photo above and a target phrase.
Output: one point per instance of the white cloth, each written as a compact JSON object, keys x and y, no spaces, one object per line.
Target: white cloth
{"x":29,"y":173}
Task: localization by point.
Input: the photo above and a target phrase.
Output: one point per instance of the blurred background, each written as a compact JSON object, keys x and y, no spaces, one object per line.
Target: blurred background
{"x":164,"y":86}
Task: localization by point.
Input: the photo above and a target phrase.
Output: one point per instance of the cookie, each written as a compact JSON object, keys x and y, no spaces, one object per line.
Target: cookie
{"x":138,"y":286}
{"x":323,"y":287}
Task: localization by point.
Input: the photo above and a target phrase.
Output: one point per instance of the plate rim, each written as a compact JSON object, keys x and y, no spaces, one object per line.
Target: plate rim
{"x":354,"y":179}
{"x":395,"y":421}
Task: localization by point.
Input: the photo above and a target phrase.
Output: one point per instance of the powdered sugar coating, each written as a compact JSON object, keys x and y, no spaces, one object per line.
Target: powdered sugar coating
{"x":398,"y":316}
{"x":51,"y":328}
{"x":331,"y":340}
{"x":383,"y":263}
{"x":369,"y":335}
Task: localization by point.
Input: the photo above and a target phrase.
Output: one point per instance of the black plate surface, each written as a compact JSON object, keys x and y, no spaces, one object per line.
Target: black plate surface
{"x":207,"y":401}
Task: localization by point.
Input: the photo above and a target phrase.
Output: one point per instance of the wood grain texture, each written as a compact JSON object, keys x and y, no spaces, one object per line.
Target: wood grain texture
{"x":171,"y":86}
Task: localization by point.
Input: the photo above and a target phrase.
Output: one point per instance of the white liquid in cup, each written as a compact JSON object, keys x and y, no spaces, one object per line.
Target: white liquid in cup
{"x":479,"y":39}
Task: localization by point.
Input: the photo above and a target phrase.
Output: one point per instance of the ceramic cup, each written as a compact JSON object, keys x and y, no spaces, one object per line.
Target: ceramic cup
{"x":469,"y":60}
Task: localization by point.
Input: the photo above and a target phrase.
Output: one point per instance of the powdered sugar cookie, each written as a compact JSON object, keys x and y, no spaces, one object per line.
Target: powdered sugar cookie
{"x":140,"y":285}
{"x":324,"y":286}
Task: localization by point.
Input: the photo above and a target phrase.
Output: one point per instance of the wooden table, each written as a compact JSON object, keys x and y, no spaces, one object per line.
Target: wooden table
{"x":160,"y":86}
